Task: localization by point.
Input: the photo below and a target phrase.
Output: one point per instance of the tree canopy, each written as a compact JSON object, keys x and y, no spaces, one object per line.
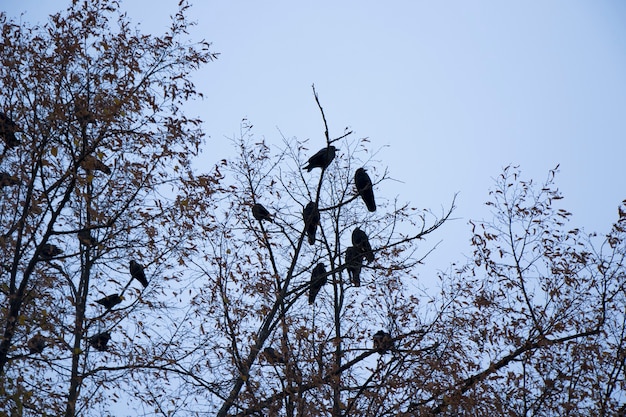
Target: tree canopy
{"x":283,"y":281}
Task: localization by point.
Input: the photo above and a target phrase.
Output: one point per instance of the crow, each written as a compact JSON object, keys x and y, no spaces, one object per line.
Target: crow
{"x":260,"y":213}
{"x":318,"y":280}
{"x":7,"y":180}
{"x":321,"y":159}
{"x":311,"y":216}
{"x":364,"y":187}
{"x":84,"y":236}
{"x":361,"y":242}
{"x":36,"y":344}
{"x":354,"y":262}
{"x":49,"y":251}
{"x":90,"y":162}
{"x":272,"y":356}
{"x":99,"y":341}
{"x":7,"y":131}
{"x":382,"y":342}
{"x":82,"y":112}
{"x":136,"y":271}
{"x":110,"y":301}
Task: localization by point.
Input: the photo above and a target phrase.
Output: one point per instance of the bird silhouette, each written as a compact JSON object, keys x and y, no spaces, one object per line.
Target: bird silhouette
{"x":272,"y":356}
{"x":311,"y":216}
{"x":260,"y":213}
{"x":7,"y":180}
{"x":318,"y":280}
{"x":99,"y":341}
{"x":364,"y":187}
{"x":110,"y":301}
{"x":382,"y":342}
{"x":84,"y":236}
{"x":137,"y":272}
{"x":49,"y":251}
{"x":7,"y":131}
{"x":91,"y":163}
{"x":354,"y":262}
{"x":321,"y":159}
{"x":36,"y":344}
{"x":362,"y":242}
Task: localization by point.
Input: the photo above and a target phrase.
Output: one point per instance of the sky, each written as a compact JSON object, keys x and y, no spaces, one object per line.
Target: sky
{"x":450,"y":91}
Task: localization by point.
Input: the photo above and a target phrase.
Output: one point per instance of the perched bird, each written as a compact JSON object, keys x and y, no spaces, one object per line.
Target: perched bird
{"x":7,"y":131}
{"x":318,"y":280}
{"x":321,"y":159}
{"x":311,"y":216}
{"x":36,"y":344}
{"x":382,"y":342}
{"x":49,"y":251}
{"x":354,"y":262}
{"x":84,"y":236}
{"x":110,"y":301}
{"x":260,"y":213}
{"x":136,"y":271}
{"x":272,"y":356}
{"x":82,"y":112}
{"x":99,"y":341}
{"x":7,"y":179}
{"x":362,"y":242}
{"x":364,"y":187}
{"x":92,"y":163}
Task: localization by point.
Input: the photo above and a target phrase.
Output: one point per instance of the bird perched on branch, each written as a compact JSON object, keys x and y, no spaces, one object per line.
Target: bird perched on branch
{"x":318,"y":280}
{"x":311,"y":216}
{"x":99,"y":341}
{"x":137,"y":272}
{"x":7,"y":131}
{"x":7,"y":180}
{"x":92,"y":163}
{"x":364,"y":187}
{"x":362,"y":243}
{"x":110,"y":301}
{"x":382,"y":342}
{"x":354,"y":262}
{"x":36,"y":344}
{"x":49,"y":251}
{"x":84,"y":236}
{"x":272,"y":356}
{"x":260,"y":213}
{"x":321,"y":159}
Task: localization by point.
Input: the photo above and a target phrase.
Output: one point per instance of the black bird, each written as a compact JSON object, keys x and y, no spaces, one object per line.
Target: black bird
{"x":382,"y":342}
{"x":318,"y":280}
{"x":110,"y":301}
{"x":321,"y":159}
{"x":99,"y":341}
{"x":7,"y":131}
{"x":49,"y":251}
{"x":36,"y":344}
{"x":136,"y":271}
{"x":7,"y":180}
{"x":273,"y":357}
{"x":91,"y":163}
{"x":364,"y":187}
{"x":84,"y":236}
{"x":260,"y":213}
{"x":362,"y":242}
{"x":311,"y":216}
{"x":354,"y":262}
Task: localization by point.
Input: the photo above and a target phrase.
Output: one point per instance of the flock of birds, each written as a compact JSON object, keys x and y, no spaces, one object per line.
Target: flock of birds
{"x":354,"y":255}
{"x":48,"y":252}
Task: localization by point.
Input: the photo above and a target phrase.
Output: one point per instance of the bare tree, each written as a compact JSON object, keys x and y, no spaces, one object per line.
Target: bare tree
{"x":98,"y":142}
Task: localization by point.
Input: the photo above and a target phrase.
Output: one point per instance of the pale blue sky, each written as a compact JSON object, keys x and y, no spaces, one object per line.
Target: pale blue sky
{"x":457,"y":89}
